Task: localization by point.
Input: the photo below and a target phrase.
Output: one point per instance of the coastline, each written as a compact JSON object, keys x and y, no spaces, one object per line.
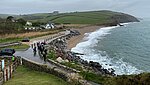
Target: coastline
{"x":73,"y":41}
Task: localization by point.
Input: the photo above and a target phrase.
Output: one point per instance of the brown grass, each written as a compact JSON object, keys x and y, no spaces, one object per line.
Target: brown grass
{"x":29,"y":34}
{"x":75,"y":25}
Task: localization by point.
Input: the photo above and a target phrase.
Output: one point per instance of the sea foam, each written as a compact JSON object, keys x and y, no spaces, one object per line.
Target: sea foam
{"x":90,"y":40}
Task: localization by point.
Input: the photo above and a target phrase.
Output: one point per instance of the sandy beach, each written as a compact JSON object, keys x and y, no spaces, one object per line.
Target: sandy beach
{"x":72,"y":42}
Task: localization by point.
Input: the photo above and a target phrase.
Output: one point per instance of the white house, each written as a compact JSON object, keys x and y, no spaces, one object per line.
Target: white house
{"x":55,"y":12}
{"x":50,"y":25}
{"x":28,"y":23}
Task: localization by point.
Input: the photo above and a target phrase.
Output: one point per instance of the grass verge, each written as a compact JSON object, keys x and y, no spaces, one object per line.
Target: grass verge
{"x":25,"y":76}
{"x":18,"y":47}
{"x":73,"y":65}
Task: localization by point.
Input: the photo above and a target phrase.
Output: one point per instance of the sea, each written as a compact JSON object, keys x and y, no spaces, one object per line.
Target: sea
{"x":126,"y":48}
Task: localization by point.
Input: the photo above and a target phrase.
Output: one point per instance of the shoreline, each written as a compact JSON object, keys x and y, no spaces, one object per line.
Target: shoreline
{"x":73,"y":41}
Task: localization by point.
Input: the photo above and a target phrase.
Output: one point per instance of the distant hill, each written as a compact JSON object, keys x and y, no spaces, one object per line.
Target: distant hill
{"x":90,"y":17}
{"x":5,"y":15}
{"x":103,"y":17}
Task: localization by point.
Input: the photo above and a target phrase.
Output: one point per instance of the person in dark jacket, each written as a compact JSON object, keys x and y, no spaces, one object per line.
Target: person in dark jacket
{"x":44,"y":56}
{"x":45,"y":51}
{"x":34,"y":50}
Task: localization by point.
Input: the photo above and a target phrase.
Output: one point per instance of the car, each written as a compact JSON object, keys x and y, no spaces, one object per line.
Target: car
{"x":26,"y":40}
{"x":7,"y":51}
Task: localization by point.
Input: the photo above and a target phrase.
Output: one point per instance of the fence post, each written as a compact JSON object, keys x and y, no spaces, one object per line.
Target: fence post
{"x":10,"y":73}
{"x":6,"y":74}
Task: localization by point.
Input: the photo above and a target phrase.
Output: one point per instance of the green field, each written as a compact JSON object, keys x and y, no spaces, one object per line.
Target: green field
{"x":90,"y":17}
{"x":25,"y":76}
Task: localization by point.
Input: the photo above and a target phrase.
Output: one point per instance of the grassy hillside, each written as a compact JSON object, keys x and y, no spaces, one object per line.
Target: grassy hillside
{"x":34,"y":16}
{"x":90,"y":17}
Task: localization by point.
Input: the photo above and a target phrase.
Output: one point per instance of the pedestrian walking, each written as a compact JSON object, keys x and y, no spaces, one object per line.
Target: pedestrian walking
{"x":13,"y":58}
{"x":45,"y":51}
{"x":44,"y":56}
{"x":34,"y":50}
{"x":32,"y":46}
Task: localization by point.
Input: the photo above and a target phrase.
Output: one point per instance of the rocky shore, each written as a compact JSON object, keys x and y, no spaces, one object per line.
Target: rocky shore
{"x":59,"y":47}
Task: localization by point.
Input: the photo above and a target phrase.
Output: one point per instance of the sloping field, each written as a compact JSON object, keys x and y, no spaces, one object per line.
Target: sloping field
{"x":91,"y":17}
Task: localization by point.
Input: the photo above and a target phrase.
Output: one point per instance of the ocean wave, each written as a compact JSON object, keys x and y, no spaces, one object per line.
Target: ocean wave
{"x":90,"y":40}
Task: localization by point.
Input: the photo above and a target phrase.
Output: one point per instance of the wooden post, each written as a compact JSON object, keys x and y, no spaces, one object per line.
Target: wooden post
{"x":6,"y":74}
{"x":10,"y":73}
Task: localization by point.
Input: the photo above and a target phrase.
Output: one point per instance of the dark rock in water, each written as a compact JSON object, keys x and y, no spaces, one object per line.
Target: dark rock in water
{"x":78,"y":54}
{"x":91,"y":63}
{"x":97,"y":67}
{"x":120,"y":24}
{"x":84,"y":62}
{"x":95,"y":64}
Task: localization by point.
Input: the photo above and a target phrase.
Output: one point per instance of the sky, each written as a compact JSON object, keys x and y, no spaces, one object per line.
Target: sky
{"x":138,"y":8}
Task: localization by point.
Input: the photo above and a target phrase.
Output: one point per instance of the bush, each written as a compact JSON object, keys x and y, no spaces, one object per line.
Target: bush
{"x":52,"y":55}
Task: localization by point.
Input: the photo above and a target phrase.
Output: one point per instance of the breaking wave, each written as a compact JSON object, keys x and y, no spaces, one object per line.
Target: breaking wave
{"x":91,"y":40}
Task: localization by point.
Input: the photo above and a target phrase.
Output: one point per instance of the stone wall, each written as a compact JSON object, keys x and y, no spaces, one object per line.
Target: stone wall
{"x":44,"y":68}
{"x":72,"y":78}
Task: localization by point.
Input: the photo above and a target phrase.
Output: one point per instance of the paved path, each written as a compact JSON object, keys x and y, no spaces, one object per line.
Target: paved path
{"x":37,"y":58}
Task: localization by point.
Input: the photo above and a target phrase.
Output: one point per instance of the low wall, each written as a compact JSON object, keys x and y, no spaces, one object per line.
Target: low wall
{"x":72,"y":77}
{"x":44,"y":68}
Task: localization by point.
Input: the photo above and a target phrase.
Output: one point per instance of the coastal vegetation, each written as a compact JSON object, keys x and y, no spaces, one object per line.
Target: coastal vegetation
{"x":11,"y":25}
{"x":26,"y":76}
{"x":73,"y":65}
{"x":141,"y":79}
{"x":52,"y":55}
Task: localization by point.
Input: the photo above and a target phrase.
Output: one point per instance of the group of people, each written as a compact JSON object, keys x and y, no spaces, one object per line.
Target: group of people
{"x":40,"y":47}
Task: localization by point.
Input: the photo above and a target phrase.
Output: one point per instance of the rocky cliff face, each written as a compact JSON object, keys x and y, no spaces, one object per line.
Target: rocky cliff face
{"x":123,"y":18}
